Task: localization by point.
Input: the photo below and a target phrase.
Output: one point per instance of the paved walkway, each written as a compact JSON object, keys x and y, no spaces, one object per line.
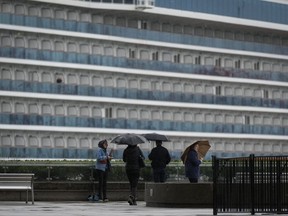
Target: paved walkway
{"x":16,"y":208}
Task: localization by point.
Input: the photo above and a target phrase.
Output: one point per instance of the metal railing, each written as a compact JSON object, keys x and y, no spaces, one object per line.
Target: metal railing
{"x":250,"y":184}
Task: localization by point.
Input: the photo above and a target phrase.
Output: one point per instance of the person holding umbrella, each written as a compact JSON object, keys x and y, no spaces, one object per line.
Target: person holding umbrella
{"x":160,"y":157}
{"x":102,"y":167}
{"x":192,"y":163}
{"x":131,"y":156}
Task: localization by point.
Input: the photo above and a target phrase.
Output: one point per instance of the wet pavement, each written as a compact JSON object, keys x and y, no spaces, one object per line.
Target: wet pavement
{"x":13,"y":208}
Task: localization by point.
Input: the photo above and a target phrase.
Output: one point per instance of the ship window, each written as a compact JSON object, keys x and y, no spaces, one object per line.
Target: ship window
{"x":6,"y":107}
{"x":84,"y":143}
{"x":166,"y":56}
{"x":72,"y":111}
{"x":19,"y":75}
{"x":97,"y":81}
{"x":121,"y":83}
{"x":247,"y":65}
{"x":257,"y":120}
{"x":218,"y":90}
{"x":71,"y":142}
{"x":72,"y":15}
{"x":229,"y":119}
{"x":108,"y":82}
{"x":219,"y":119}
{"x":33,"y":109}
{"x":59,"y":14}
{"x":132,"y":53}
{"x":108,"y":51}
{"x":256,"y":66}
{"x":247,"y":120}
{"x":96,"y":112}
{"x":188,"y":30}
{"x":96,"y":50}
{"x":6,"y":8}
{"x":85,"y":17}
{"x":188,"y":116}
{"x":46,"y":12}
{"x":176,"y":58}
{"x":133,"y":114}
{"x":121,"y":21}
{"x":177,"y":116}
{"x":59,"y":110}
{"x":121,"y":52}
{"x":20,"y":140}
{"x":132,"y":23}
{"x":19,"y":42}
{"x":198,"y":117}
{"x":84,"y":80}
{"x":108,"y":20}
{"x":144,"y":114}
{"x":19,"y":9}
{"x":46,"y":77}
{"x":155,"y":56}
{"x":144,"y":55}
{"x":84,"y":111}
{"x":97,"y":18}
{"x":59,"y":142}
{"x":71,"y":79}
{"x":46,"y":142}
{"x":155,"y":115}
{"x":167,"y":116}
{"x":198,"y":60}
{"x":84,"y":48}
{"x":32,"y":43}
{"x":46,"y":45}
{"x":237,"y":64}
{"x":188,"y":59}
{"x":266,"y":66}
{"x":166,"y":27}
{"x":218,"y":62}
{"x":6,"y":41}
{"x":6,"y":140}
{"x":265,"y":93}
{"x":208,"y":61}
{"x":155,"y":26}
{"x":33,"y":141}
{"x":71,"y":47}
{"x":121,"y":113}
{"x":59,"y":46}
{"x":228,"y":63}
{"x":107,"y":112}
{"x":133,"y":84}
{"x":46,"y":109}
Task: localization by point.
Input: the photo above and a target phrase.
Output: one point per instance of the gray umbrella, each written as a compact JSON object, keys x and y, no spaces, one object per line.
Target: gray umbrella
{"x":155,"y":137}
{"x":129,"y":139}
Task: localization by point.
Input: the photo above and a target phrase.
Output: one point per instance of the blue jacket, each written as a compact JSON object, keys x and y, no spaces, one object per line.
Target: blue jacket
{"x":102,"y":159}
{"x":192,"y":164}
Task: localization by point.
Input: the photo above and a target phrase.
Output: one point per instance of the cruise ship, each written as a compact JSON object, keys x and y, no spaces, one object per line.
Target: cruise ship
{"x":74,"y":72}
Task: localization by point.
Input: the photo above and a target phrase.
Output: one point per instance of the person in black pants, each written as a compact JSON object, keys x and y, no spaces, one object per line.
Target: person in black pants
{"x":131,"y":157}
{"x":160,"y":157}
{"x":102,"y":167}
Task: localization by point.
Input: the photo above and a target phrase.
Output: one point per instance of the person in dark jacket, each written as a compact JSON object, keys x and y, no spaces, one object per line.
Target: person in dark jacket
{"x":102,"y":167}
{"x":192,"y":163}
{"x":131,"y":157}
{"x":160,"y":157}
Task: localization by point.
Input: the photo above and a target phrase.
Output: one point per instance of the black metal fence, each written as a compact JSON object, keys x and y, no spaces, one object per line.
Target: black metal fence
{"x":250,"y":184}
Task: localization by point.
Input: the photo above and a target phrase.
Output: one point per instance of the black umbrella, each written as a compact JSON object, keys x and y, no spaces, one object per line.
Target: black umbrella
{"x":155,"y":137}
{"x":129,"y":139}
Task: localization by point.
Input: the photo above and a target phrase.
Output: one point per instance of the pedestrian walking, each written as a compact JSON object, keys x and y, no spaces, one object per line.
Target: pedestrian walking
{"x":159,"y":157}
{"x":131,"y":156}
{"x":192,"y":164}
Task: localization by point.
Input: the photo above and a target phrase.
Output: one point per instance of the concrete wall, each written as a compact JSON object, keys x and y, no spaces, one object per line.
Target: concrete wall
{"x":72,"y":191}
{"x":192,"y":195}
